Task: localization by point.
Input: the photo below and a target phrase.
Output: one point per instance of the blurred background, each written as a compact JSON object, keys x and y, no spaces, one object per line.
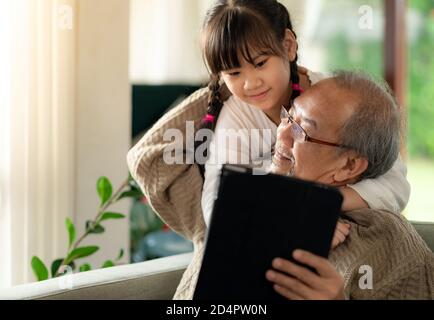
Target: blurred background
{"x":82,"y":80}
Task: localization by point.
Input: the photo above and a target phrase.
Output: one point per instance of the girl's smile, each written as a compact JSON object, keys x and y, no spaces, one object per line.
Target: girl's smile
{"x":260,"y":96}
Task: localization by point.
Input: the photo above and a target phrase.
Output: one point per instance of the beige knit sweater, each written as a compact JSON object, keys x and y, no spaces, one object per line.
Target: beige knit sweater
{"x":401,"y":263}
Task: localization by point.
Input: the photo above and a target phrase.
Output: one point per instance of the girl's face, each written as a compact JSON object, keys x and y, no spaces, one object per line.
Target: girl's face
{"x":264,"y":85}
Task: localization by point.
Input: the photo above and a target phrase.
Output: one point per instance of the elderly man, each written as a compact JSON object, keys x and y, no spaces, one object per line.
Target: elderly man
{"x":340,"y":131}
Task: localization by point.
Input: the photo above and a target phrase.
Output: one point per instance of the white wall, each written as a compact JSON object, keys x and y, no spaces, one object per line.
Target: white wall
{"x":165,"y":41}
{"x":103,"y":117}
{"x":164,"y":34}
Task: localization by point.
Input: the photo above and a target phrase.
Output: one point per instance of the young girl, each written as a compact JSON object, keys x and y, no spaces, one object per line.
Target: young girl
{"x":251,"y":46}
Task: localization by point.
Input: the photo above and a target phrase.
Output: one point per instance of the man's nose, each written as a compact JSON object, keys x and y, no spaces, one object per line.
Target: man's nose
{"x":284,"y":136}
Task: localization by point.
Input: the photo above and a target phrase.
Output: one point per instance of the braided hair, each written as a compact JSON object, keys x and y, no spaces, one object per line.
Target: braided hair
{"x":234,"y":27}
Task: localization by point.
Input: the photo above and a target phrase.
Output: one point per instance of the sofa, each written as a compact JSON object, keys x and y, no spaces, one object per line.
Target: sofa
{"x":149,"y":280}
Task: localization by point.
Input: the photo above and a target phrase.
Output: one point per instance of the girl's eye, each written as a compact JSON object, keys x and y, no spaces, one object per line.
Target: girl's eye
{"x":260,"y":64}
{"x":233,"y":74}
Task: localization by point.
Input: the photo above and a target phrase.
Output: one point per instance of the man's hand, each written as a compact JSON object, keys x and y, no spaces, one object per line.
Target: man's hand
{"x":298,"y":283}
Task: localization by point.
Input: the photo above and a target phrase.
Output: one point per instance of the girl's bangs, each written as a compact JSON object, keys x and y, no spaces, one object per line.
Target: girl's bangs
{"x":238,"y":34}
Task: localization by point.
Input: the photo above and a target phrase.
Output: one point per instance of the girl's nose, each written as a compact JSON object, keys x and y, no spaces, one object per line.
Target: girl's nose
{"x":252,"y":82}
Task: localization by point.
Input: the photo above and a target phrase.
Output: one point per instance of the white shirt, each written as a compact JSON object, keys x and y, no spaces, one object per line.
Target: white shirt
{"x":249,"y":127}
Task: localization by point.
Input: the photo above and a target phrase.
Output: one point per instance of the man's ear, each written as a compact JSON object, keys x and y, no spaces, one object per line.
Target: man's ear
{"x":290,"y":44}
{"x":351,"y":168}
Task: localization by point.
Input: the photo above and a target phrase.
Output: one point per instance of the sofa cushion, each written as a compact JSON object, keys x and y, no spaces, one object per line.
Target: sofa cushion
{"x":426,"y":231}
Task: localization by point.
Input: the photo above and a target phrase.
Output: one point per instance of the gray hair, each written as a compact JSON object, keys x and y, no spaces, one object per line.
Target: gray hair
{"x":374,"y":130}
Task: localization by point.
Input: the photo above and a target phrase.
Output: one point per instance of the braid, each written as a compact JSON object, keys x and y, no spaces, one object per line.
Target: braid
{"x":215,"y":103}
{"x":295,"y":79}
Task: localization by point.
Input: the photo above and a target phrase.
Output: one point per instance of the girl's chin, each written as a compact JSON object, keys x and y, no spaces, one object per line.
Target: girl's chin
{"x":266,"y":106}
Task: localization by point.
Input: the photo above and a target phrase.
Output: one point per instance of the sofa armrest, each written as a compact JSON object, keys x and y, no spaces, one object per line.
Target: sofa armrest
{"x":149,"y":280}
{"x":426,"y":231}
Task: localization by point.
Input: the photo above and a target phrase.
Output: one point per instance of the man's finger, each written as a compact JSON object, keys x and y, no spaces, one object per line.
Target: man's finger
{"x":290,"y":283}
{"x":286,"y":293}
{"x":320,"y":264}
{"x":296,"y":271}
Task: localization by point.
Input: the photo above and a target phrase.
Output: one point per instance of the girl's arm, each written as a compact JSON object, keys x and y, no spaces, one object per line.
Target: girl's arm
{"x":389,"y":192}
{"x":221,"y":153}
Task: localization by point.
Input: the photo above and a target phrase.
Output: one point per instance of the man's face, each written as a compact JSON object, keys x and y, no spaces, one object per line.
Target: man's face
{"x":321,"y":111}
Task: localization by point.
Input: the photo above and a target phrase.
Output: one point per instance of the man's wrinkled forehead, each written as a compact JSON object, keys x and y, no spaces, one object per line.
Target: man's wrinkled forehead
{"x":310,"y":105}
{"x":326,"y":104}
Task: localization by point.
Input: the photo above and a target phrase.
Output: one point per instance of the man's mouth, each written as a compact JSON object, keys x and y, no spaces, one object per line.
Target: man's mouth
{"x":281,"y":155}
{"x":283,"y":163}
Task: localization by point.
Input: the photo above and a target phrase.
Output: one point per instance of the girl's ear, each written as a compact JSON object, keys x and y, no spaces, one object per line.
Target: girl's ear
{"x":290,"y":44}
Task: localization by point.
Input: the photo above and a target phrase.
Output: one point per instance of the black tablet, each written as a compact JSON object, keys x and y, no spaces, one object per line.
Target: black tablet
{"x":255,"y":219}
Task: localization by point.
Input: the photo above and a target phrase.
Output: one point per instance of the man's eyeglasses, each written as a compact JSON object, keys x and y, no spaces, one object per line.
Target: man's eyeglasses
{"x":299,"y":134}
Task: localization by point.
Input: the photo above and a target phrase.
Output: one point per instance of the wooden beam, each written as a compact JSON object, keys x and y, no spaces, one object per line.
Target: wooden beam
{"x":395,"y":54}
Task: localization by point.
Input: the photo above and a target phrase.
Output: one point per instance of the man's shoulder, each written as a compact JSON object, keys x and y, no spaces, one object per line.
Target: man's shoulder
{"x":380,"y":220}
{"x":387,"y":229}
{"x":389,"y":245}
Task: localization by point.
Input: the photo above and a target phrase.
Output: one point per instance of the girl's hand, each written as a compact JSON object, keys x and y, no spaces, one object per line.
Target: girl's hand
{"x":341,"y":232}
{"x":352,"y":200}
{"x":295,"y":282}
{"x":302,"y":70}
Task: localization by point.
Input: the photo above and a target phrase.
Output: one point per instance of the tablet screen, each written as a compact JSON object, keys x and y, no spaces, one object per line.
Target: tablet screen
{"x":255,"y":219}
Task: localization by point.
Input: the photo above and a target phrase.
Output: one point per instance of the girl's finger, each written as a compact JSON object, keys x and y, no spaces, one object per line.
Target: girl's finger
{"x":343,"y":227}
{"x":340,"y":236}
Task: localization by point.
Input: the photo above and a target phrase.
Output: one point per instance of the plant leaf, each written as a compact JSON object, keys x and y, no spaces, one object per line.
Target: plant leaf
{"x":85,"y":267}
{"x":81,"y":253}
{"x":111,"y":215}
{"x":108,"y":264}
{"x":97,"y":229}
{"x":39,"y":269}
{"x":71,"y":231}
{"x":55,"y":266}
{"x":93,"y":228}
{"x":121,"y":254}
{"x":131,"y":194}
{"x":104,"y":188}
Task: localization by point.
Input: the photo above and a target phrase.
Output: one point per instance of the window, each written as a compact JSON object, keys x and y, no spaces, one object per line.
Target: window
{"x":420,"y":97}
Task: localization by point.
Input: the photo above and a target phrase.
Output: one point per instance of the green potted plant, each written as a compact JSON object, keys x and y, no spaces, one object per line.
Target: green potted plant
{"x":74,"y":251}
